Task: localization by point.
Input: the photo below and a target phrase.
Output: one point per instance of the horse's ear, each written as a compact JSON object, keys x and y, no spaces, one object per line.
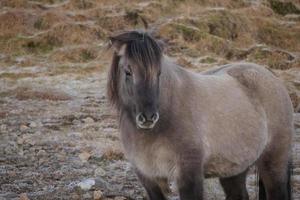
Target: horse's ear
{"x":117,"y":46}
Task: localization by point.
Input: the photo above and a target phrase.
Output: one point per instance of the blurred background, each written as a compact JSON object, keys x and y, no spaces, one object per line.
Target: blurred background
{"x":59,"y":137}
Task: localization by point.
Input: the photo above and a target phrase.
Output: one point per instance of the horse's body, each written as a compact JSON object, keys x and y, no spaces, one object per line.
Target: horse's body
{"x":214,"y":124}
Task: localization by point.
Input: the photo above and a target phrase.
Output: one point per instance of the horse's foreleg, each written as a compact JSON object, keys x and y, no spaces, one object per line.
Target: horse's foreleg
{"x":235,"y":187}
{"x":190,"y":184}
{"x":153,"y":189}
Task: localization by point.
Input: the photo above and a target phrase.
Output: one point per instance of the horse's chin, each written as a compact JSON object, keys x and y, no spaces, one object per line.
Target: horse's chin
{"x":145,"y":126}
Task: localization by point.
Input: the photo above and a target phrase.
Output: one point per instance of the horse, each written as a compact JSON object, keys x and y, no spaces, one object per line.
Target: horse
{"x":182,"y":126}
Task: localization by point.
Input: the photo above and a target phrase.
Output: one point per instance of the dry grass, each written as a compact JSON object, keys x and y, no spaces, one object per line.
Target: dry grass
{"x":25,"y":93}
{"x":78,"y":70}
{"x":153,"y":11}
{"x":68,"y":32}
{"x":197,"y":28}
{"x":272,"y":33}
{"x":45,"y":42}
{"x":119,"y":22}
{"x":285,"y":7}
{"x":75,"y":33}
{"x":75,"y":55}
{"x":256,"y":10}
{"x":192,"y":37}
{"x":80,"y":4}
{"x":273,"y":58}
{"x":14,"y":3}
{"x":12,"y":46}
{"x":16,"y":22}
{"x":113,"y":154}
{"x":15,"y":76}
{"x":50,"y":18}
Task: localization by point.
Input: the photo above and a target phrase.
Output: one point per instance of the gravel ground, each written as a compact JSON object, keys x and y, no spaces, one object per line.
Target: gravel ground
{"x":48,"y":147}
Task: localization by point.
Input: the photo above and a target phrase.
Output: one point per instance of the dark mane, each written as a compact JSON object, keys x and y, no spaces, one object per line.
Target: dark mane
{"x":142,"y":49}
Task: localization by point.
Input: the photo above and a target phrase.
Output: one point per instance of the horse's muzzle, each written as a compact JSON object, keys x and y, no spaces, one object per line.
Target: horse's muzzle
{"x":148,"y":121}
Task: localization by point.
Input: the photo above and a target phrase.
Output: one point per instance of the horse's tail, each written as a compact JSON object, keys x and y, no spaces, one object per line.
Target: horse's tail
{"x":261,"y":188}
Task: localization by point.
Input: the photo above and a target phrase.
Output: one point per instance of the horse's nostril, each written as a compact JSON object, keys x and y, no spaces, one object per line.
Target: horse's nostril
{"x":141,"y":118}
{"x":144,"y":121}
{"x":155,"y":117}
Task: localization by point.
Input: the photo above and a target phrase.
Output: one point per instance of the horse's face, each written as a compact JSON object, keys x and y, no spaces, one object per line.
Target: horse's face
{"x":134,"y":76}
{"x":139,"y":91}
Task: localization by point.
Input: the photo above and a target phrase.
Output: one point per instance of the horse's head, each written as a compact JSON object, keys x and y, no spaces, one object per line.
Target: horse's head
{"x":133,"y":83}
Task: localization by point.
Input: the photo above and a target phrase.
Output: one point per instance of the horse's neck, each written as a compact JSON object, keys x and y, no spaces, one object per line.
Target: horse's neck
{"x":172,"y":76}
{"x":174,"y":81}
{"x":176,"y":86}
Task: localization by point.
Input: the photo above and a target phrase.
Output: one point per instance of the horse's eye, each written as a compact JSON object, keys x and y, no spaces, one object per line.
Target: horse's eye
{"x":127,"y":72}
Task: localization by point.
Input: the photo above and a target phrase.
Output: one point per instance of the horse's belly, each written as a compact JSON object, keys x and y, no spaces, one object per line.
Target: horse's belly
{"x":219,"y":166}
{"x":235,"y":138}
{"x":229,"y":160}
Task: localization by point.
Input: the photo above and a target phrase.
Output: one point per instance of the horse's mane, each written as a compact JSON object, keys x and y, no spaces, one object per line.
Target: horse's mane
{"x":142,"y":49}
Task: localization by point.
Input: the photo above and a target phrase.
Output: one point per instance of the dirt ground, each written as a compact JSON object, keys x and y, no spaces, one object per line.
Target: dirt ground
{"x":58,"y":135}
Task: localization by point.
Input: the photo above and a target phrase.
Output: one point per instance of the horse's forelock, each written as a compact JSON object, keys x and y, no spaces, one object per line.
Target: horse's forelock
{"x":146,"y":54}
{"x":142,"y":49}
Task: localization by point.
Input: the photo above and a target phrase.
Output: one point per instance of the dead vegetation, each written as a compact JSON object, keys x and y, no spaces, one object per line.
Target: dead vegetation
{"x":69,"y":31}
{"x":74,"y":55}
{"x":14,"y":4}
{"x":48,"y":19}
{"x":16,"y":22}
{"x":42,"y":94}
{"x":113,"y":154}
{"x":278,"y":35}
{"x":283,"y":8}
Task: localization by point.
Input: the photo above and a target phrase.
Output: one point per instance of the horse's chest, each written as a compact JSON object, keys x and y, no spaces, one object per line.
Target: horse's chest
{"x":153,"y":160}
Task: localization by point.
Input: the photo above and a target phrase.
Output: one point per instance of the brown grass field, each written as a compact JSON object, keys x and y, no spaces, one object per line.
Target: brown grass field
{"x":56,"y":128}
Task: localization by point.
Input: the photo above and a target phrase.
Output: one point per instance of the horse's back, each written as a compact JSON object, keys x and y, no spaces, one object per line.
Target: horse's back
{"x":259,"y":82}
